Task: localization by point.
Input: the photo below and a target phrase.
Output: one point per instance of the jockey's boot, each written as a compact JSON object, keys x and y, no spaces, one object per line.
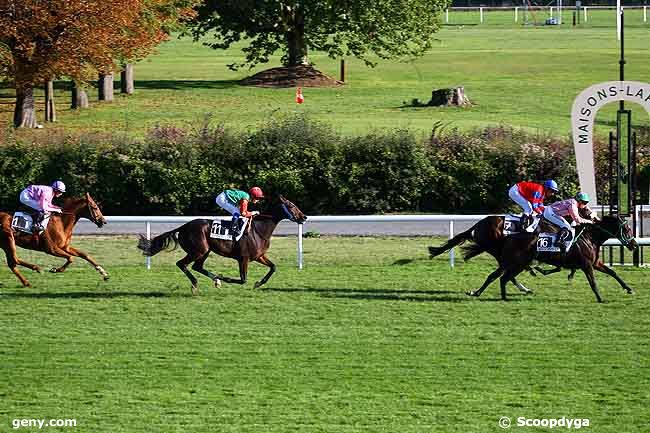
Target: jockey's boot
{"x":37,"y":227}
{"x":563,"y":240}
{"x":234,"y":227}
{"x":526,"y":220}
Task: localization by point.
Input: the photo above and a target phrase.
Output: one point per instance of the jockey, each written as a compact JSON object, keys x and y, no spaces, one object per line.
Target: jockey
{"x":235,"y":202}
{"x":530,"y":197}
{"x":39,"y":198}
{"x":556,"y":211}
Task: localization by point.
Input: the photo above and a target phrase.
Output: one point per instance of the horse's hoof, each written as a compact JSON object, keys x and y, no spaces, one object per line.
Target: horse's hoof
{"x":470,"y":293}
{"x":37,"y":269}
{"x":217,"y":283}
{"x":195,"y":291}
{"x":106,"y":277}
{"x":54,"y":270}
{"x":257,"y":284}
{"x":630,"y":291}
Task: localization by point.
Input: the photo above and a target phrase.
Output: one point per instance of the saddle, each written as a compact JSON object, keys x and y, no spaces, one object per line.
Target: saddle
{"x":513,"y":224}
{"x":24,"y":217}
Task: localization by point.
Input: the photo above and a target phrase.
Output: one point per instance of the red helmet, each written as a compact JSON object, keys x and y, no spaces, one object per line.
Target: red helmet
{"x":256,"y":192}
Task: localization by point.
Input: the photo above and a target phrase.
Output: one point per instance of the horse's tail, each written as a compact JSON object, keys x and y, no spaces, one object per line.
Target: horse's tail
{"x":472,"y":250}
{"x":151,"y":247}
{"x":456,"y":240}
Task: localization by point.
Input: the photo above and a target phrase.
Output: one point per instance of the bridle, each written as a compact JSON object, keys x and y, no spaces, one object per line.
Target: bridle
{"x":621,"y":236}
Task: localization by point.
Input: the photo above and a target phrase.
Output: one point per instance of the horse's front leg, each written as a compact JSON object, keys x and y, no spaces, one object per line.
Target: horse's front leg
{"x":243,"y":272}
{"x":589,"y":273}
{"x":601,"y":267}
{"x":265,"y":261}
{"x":78,"y":253}
{"x":493,"y":276}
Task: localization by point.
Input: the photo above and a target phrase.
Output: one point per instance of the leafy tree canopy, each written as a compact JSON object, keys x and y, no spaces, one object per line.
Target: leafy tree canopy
{"x":360,"y":28}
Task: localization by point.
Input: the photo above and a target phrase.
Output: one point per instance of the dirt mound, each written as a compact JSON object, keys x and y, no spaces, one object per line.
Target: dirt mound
{"x":291,"y":76}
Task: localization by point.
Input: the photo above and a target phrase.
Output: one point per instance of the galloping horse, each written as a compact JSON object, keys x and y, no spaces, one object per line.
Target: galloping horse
{"x":194,"y":238}
{"x":516,"y":253}
{"x":56,"y":238}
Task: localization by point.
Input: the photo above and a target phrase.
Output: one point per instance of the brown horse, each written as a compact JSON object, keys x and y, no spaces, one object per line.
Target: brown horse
{"x":515,"y":253}
{"x":56,"y":238}
{"x":194,"y":238}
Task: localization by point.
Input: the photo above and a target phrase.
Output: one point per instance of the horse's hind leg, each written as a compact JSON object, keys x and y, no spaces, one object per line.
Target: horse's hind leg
{"x":13,"y":261}
{"x":493,"y":276}
{"x":508,"y":275}
{"x":243,"y":272}
{"x":265,"y":261}
{"x":521,"y":287}
{"x":198,"y":267}
{"x":182,"y":265}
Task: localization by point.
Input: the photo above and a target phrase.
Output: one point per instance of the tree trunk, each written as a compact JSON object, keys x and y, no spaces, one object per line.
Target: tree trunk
{"x":24,"y":111}
{"x":126,"y":79}
{"x":105,"y":87}
{"x":79,"y":97}
{"x":50,"y":109}
{"x":296,"y":44}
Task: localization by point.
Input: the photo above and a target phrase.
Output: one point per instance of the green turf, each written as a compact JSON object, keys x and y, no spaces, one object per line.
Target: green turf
{"x":371,"y":336}
{"x":525,"y":76}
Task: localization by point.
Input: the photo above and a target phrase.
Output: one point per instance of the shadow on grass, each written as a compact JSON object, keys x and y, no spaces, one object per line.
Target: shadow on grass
{"x":185,"y":84}
{"x":389,"y":295}
{"x":82,"y":295}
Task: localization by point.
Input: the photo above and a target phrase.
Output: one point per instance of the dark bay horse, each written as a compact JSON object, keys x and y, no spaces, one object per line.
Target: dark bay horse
{"x":517,"y":252}
{"x":56,"y":238}
{"x":487,"y":236}
{"x":194,"y":238}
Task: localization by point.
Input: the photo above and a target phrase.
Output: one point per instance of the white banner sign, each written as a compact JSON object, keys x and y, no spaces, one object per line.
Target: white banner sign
{"x":583,"y":116}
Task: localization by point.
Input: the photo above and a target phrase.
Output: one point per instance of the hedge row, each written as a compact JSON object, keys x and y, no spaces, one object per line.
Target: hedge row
{"x":180,"y":171}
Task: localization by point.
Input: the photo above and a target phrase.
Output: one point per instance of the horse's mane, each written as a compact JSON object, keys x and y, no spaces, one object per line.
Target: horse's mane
{"x":73,"y":202}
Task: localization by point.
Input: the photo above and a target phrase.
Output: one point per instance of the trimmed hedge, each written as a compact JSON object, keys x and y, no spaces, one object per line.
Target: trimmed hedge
{"x":180,"y":171}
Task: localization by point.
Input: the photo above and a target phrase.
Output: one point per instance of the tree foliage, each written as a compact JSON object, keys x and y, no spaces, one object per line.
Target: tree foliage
{"x":360,"y":28}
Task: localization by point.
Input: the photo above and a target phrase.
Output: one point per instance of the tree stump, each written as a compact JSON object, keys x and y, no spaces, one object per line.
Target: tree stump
{"x":454,"y":96}
{"x":79,"y":97}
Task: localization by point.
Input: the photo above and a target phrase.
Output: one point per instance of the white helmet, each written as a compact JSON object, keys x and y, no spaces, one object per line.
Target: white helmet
{"x":57,"y":185}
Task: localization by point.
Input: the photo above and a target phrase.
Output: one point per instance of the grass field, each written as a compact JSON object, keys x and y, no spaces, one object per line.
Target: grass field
{"x":526,"y":76}
{"x":371,"y":336}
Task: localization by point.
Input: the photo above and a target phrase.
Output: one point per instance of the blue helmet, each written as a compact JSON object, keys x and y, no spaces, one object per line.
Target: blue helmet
{"x":551,"y":184}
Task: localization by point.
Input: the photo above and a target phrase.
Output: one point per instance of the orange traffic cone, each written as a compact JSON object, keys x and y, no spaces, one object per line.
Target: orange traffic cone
{"x":299,"y":98}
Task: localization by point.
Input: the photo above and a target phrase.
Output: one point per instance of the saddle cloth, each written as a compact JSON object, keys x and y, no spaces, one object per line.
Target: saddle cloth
{"x":546,"y":243}
{"x":221,"y":229}
{"x":23,"y":222}
{"x":512,"y":224}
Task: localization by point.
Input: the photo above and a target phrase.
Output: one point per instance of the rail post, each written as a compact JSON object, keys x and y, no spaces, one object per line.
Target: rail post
{"x":148,"y":229}
{"x":451,"y":251}
{"x":299,"y":246}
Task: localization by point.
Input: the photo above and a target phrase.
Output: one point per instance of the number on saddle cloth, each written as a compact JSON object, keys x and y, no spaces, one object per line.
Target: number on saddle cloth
{"x":23,"y":221}
{"x":222,"y":228}
{"x":513,"y":224}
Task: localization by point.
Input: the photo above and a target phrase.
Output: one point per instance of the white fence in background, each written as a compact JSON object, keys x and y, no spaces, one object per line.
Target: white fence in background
{"x":552,"y":11}
{"x":450,"y":219}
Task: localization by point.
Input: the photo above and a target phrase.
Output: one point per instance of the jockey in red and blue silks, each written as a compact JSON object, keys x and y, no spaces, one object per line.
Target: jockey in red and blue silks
{"x":530,"y":196}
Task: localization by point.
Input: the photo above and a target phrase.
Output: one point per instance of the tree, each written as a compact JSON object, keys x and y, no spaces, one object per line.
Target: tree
{"x":360,"y":28}
{"x":41,"y":40}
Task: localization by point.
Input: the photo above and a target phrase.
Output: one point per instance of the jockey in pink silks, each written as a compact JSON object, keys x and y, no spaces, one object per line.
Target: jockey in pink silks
{"x":39,"y":198}
{"x":556,"y":212}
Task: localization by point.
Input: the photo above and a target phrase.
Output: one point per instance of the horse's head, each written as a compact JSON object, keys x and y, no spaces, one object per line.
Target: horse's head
{"x":92,"y":212}
{"x":283,"y":209}
{"x":617,"y":227}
